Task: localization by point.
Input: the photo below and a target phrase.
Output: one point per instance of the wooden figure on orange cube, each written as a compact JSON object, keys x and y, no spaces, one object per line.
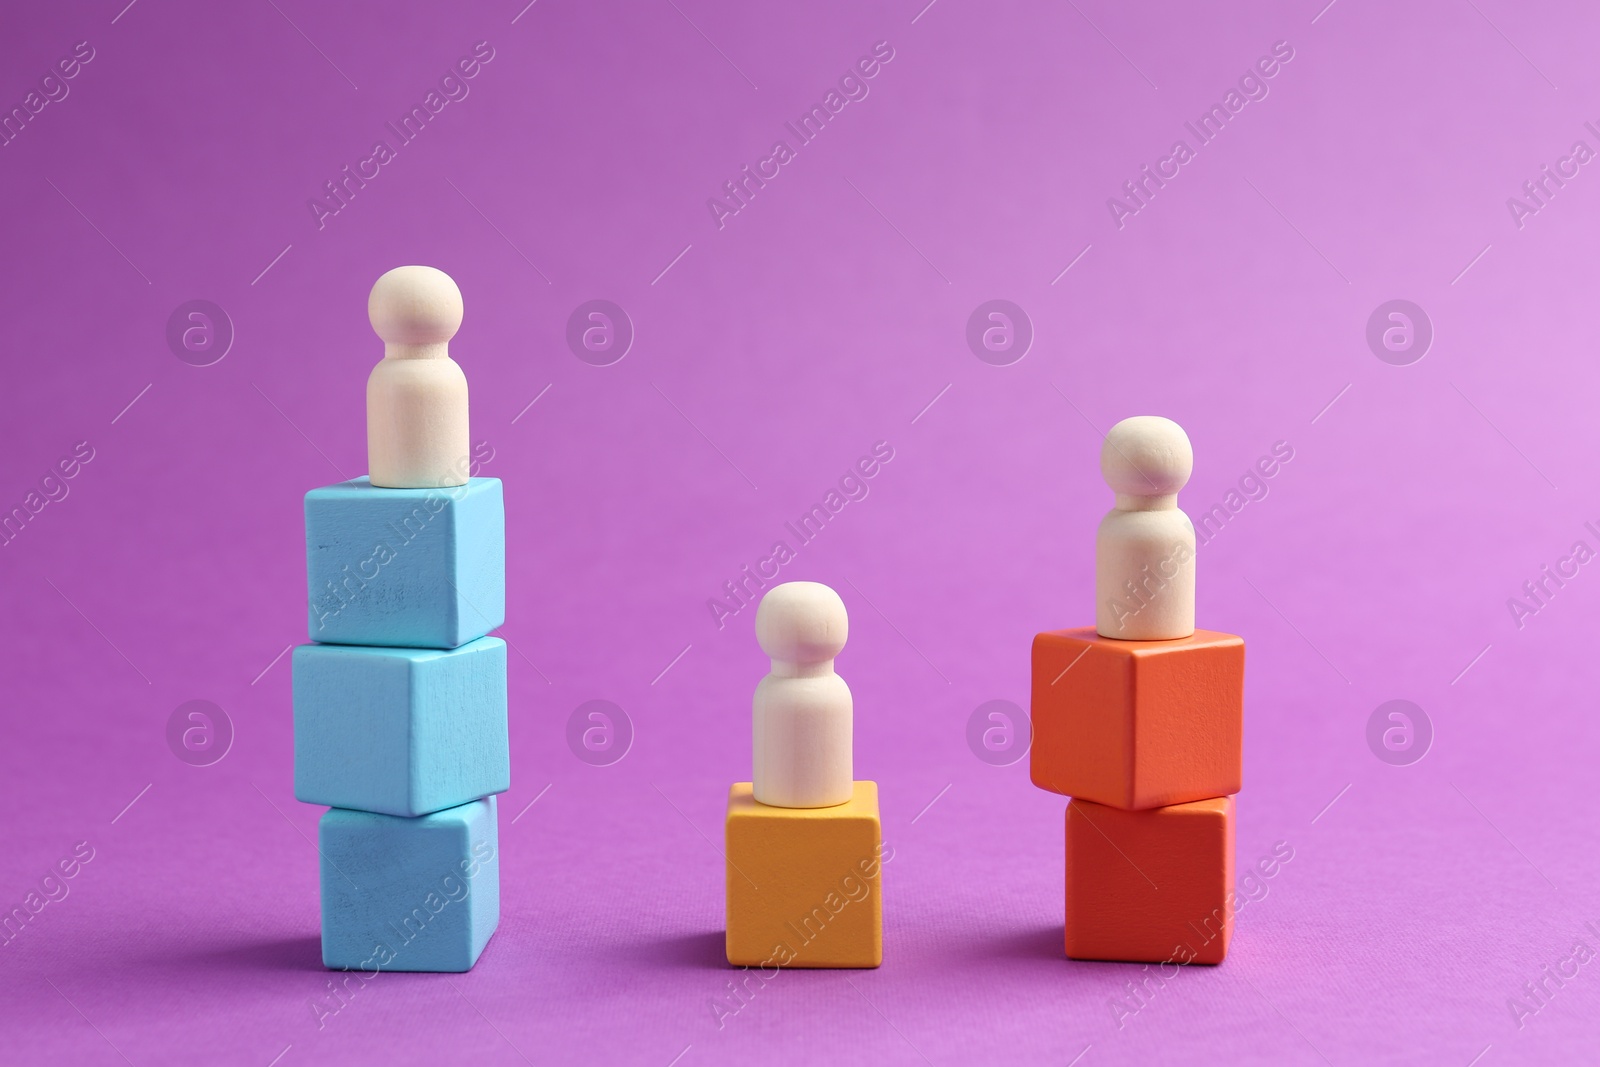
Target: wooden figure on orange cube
{"x":1140,"y":721}
{"x":804,"y":840}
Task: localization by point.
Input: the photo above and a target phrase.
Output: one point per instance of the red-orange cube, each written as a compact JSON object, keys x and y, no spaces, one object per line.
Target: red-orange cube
{"x":1138,"y":724}
{"x":1152,"y":886}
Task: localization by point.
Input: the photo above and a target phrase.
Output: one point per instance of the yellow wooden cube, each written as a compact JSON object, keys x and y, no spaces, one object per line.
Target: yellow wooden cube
{"x":804,"y":883}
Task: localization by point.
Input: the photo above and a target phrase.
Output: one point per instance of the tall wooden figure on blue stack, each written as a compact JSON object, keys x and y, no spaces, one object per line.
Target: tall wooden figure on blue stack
{"x":400,"y":704}
{"x":1139,"y":719}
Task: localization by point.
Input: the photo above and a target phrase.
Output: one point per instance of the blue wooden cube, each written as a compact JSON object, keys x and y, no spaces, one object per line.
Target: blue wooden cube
{"x":401,"y":731}
{"x":411,"y":568}
{"x":409,"y":894}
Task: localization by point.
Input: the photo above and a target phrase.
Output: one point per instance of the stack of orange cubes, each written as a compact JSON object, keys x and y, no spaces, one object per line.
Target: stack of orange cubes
{"x":1146,"y":737}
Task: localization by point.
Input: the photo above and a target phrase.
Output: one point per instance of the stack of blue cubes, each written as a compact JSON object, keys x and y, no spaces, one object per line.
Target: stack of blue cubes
{"x":400,"y":720}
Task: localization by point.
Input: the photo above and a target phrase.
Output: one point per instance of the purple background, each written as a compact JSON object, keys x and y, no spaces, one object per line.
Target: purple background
{"x":825,"y":316}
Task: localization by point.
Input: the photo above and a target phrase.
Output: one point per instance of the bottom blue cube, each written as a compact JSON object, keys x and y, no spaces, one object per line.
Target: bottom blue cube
{"x":404,"y":894}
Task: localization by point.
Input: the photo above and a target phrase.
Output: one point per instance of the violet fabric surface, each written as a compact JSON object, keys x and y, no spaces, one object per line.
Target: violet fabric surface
{"x":1435,"y":910}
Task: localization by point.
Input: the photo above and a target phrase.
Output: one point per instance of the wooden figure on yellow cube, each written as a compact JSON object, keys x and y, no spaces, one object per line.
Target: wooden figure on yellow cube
{"x":804,"y":839}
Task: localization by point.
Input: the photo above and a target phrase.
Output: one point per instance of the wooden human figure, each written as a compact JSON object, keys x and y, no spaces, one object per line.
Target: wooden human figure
{"x":417,"y":396}
{"x":804,"y":841}
{"x":1140,"y":720}
{"x":803,"y":718}
{"x":1145,"y":547}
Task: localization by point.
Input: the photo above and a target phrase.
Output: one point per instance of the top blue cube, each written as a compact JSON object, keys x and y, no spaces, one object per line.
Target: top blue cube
{"x":407,"y":568}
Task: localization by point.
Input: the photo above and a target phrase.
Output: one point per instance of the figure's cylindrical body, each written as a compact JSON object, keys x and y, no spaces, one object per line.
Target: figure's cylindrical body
{"x":802,"y":729}
{"x":417,"y":435}
{"x":1145,"y":575}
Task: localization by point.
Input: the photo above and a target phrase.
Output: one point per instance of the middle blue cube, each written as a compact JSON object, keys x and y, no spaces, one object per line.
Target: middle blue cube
{"x":400,"y":731}
{"x":414,"y":568}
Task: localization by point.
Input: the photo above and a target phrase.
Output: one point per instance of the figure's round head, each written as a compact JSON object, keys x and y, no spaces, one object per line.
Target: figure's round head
{"x":1146,"y":455}
{"x":802,"y":622}
{"x":415,"y":306}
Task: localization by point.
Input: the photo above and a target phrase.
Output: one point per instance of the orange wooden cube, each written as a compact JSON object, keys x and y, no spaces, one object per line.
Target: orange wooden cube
{"x":804,"y":883}
{"x":1150,"y":886}
{"x":1137,"y":724}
